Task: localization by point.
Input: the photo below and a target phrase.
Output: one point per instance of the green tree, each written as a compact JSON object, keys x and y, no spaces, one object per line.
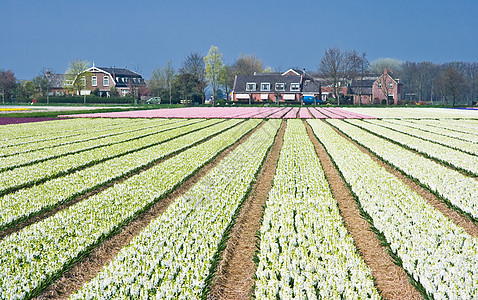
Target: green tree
{"x":226,"y":78}
{"x":214,"y":66}
{"x":76,"y":75}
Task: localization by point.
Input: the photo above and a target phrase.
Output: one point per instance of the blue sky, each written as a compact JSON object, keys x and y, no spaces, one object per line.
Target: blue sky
{"x":144,"y":34}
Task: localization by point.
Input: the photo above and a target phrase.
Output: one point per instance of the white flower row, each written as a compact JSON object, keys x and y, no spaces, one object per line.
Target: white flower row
{"x":305,"y":250}
{"x":417,"y":124}
{"x":28,"y":132}
{"x":172,"y":257}
{"x":458,"y":144}
{"x":458,"y":189}
{"x":436,"y":252}
{"x":21,"y":176}
{"x":96,"y":135}
{"x":17,"y":206}
{"x":137,"y":132}
{"x":415,"y":112}
{"x":31,"y":257}
{"x":469,"y":127}
{"x":445,"y":154}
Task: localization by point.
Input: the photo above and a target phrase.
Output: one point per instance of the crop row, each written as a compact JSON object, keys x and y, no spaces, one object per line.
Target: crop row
{"x":97,"y":135}
{"x":28,"y":132}
{"x":440,"y":257}
{"x":305,"y":250}
{"x":32,"y":257}
{"x":28,"y":175}
{"x":456,"y":158}
{"x":437,"y":130}
{"x":463,"y":125}
{"x":27,"y":158}
{"x":457,"y":189}
{"x":174,"y":257}
{"x":18,"y":206}
{"x":465,"y":146}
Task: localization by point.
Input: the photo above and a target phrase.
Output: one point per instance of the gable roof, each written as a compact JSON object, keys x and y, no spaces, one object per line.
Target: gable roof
{"x":272,"y":78}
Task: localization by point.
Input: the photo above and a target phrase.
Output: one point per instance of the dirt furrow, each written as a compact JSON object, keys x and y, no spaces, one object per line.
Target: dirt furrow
{"x":87,"y":268}
{"x":235,"y":274}
{"x":390,"y":279}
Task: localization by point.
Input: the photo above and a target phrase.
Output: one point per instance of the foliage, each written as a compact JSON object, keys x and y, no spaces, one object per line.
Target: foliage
{"x":214,"y":66}
{"x":451,"y":84}
{"x":393,"y":65}
{"x":75,"y":73}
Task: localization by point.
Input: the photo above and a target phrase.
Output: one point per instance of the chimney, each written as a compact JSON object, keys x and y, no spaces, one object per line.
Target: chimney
{"x":47,"y":73}
{"x":385,"y":71}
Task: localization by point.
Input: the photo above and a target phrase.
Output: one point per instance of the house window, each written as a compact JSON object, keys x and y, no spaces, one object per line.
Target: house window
{"x":390,"y":85}
{"x":83,"y":81}
{"x":294,"y":87}
{"x":280,"y":86}
{"x":379,"y":84}
{"x":94,"y":81}
{"x":106,"y":81}
{"x":123,"y":92}
{"x":265,"y":86}
{"x":251,"y":86}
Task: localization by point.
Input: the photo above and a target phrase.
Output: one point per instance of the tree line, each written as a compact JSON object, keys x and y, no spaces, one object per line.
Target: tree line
{"x":424,"y":82}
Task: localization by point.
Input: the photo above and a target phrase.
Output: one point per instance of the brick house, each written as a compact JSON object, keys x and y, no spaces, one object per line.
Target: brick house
{"x":104,"y":79}
{"x":377,"y":90}
{"x":290,"y":86}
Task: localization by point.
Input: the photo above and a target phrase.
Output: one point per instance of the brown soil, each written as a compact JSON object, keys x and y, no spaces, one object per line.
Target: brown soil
{"x":390,"y":279}
{"x":87,"y":268}
{"x":235,"y":274}
{"x":459,"y":219}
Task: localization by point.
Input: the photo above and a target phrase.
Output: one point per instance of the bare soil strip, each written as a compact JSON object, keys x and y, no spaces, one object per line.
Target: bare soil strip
{"x":458,"y":218}
{"x":87,"y":268}
{"x":235,"y":274}
{"x":390,"y":279}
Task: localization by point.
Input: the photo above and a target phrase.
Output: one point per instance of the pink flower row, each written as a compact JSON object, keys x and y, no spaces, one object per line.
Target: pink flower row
{"x":233,"y":113}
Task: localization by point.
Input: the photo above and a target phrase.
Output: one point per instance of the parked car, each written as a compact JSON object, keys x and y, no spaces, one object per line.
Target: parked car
{"x":154,"y":100}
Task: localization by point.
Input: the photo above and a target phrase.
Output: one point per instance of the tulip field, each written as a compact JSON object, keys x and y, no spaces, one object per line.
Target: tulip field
{"x":70,"y":186}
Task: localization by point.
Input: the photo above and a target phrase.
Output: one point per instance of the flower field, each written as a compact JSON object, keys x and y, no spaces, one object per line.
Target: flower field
{"x":143,"y":206}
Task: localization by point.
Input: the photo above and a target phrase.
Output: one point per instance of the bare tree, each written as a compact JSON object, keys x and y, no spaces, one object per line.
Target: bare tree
{"x":451,"y":84}
{"x":194,"y":64}
{"x":334,"y":66}
{"x":248,"y":65}
{"x":7,"y":83}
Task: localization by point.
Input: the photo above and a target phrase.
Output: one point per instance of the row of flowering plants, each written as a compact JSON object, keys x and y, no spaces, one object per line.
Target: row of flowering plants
{"x":305,"y":250}
{"x":34,"y":256}
{"x":439,"y":256}
{"x":459,"y":190}
{"x":27,"y":175}
{"x":135,"y":132}
{"x":447,"y":155}
{"x":443,"y":130}
{"x":27,"y":132}
{"x":175,"y":256}
{"x":460,"y":126}
{"x":18,"y":206}
{"x":84,"y":139}
{"x":459,"y":144}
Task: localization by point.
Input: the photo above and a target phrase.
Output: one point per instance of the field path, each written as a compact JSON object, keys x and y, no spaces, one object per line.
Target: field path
{"x":391,"y":279}
{"x":234,"y":278}
{"x":87,"y":268}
